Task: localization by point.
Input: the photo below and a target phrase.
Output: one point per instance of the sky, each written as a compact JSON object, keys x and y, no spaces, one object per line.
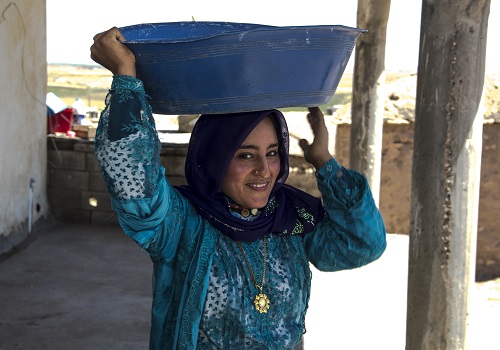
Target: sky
{"x":71,"y":25}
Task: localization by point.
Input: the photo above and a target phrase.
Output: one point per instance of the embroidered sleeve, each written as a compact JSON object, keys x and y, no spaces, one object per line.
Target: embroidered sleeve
{"x":340,"y":184}
{"x":126,"y":144}
{"x":352,"y":233}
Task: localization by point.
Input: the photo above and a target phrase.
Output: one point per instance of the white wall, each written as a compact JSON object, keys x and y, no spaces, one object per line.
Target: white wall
{"x":23,"y":154}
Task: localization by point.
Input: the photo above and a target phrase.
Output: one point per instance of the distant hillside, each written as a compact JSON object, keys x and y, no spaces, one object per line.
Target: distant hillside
{"x":400,"y":92}
{"x":90,"y":83}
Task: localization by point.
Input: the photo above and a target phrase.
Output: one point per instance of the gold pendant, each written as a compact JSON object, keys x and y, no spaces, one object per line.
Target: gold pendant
{"x":245,"y":212}
{"x":261,"y":303}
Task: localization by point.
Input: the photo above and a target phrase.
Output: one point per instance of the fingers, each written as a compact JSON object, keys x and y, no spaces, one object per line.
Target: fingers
{"x":119,"y":36}
{"x":315,"y":116}
{"x":97,"y":36}
{"x":315,"y":110}
{"x":304,"y":144}
{"x":109,"y":52}
{"x":112,"y":32}
{"x":316,"y":120}
{"x":318,"y":126}
{"x":317,"y":152}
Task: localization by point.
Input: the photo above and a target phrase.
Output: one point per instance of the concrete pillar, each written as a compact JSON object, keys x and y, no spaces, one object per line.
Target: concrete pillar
{"x":445,"y":173}
{"x":368,"y":92}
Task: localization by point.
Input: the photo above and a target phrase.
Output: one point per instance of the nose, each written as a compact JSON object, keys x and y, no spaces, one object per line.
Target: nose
{"x":262,"y":167}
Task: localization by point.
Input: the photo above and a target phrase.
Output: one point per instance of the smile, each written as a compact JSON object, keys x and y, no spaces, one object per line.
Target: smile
{"x":258,"y":186}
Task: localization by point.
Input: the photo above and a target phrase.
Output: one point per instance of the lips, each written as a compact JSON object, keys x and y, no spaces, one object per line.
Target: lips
{"x":259,"y":186}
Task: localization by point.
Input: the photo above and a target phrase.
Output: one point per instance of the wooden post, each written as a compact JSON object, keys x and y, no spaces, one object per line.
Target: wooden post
{"x":368,"y":92}
{"x":445,"y":173}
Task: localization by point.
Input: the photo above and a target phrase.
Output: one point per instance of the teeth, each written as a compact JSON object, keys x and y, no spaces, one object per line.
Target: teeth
{"x":259,"y":186}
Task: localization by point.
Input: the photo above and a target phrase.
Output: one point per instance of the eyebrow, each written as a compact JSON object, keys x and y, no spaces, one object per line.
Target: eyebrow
{"x":256,"y":148}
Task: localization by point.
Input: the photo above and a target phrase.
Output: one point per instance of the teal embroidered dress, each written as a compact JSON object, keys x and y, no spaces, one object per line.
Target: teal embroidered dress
{"x":203,"y":291}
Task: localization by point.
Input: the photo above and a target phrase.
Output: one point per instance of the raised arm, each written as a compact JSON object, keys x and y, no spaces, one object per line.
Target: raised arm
{"x":352,"y":233}
{"x":128,"y":149}
{"x":127,"y":145}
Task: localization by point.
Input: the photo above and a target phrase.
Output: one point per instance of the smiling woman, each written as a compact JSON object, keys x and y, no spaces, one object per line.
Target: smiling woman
{"x":237,"y":165}
{"x":231,"y":250}
{"x":251,"y":175}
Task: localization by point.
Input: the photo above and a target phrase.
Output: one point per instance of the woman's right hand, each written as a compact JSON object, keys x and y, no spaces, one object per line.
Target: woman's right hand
{"x":317,"y":152}
{"x":110,"y":53}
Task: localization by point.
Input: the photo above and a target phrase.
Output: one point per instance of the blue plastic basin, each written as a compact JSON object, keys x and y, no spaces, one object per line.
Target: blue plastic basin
{"x":220,"y":67}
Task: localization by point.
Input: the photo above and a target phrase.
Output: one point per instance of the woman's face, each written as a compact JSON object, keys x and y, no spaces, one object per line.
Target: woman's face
{"x":253,"y":170}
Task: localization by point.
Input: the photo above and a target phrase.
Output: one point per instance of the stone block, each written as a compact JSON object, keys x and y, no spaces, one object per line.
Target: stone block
{"x":70,"y":179}
{"x":63,"y":198}
{"x":96,"y":182}
{"x":84,"y":146}
{"x":57,"y":159}
{"x":174,"y":150}
{"x":92,"y":164}
{"x":71,"y":215}
{"x":173,"y":165}
{"x":61,"y":143}
{"x":177,"y":180}
{"x":91,"y":200}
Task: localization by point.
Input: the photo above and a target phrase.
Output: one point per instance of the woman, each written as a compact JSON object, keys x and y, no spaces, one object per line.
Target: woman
{"x":231,"y":250}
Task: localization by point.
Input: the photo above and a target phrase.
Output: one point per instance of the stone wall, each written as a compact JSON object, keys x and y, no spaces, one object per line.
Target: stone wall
{"x":76,"y":190}
{"x":395,"y":188}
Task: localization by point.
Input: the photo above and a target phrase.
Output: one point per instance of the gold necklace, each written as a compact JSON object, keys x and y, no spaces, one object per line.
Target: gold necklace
{"x":261,"y":301}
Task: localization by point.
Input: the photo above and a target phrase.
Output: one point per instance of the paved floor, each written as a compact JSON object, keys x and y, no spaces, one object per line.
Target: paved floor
{"x":76,"y":287}
{"x":89,"y":287}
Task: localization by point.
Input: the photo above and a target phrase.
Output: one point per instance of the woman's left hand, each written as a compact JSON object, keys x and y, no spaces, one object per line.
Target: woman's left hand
{"x":317,"y":152}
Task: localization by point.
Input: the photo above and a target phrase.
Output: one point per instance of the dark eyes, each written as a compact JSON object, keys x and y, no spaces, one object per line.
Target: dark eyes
{"x":245,"y":156}
{"x":269,"y":154}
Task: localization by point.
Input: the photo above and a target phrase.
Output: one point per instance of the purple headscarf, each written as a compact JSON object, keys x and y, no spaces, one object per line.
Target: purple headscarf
{"x":214,"y":141}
